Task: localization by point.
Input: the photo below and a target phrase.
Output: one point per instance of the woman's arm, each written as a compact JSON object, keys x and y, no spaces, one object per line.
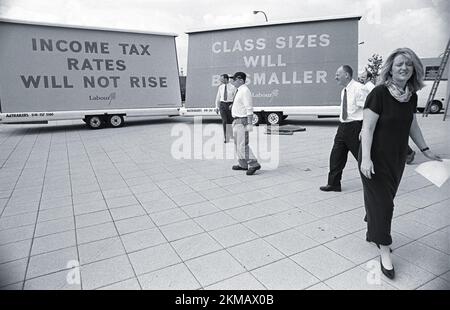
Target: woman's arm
{"x":416,"y":135}
{"x":370,"y":120}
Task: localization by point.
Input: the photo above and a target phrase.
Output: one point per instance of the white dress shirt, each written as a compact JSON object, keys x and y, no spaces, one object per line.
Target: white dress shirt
{"x":243,"y":104}
{"x":356,"y":97}
{"x":369,"y":86}
{"x":231,"y":91}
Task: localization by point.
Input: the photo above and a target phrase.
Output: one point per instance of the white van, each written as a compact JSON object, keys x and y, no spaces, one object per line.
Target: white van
{"x":439,"y":100}
{"x":431,"y":67}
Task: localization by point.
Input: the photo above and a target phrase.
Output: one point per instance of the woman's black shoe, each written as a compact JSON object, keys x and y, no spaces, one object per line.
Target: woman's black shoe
{"x":390,"y":273}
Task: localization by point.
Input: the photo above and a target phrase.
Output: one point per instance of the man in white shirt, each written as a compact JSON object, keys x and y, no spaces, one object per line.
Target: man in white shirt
{"x":347,"y":137}
{"x":365,"y":78}
{"x":224,"y":100}
{"x":242,"y":112}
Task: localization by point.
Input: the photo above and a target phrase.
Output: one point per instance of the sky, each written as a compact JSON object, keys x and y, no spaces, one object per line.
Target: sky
{"x":422,"y":25}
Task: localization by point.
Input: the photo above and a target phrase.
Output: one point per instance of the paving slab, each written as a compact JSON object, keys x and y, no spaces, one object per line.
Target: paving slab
{"x":284,"y":275}
{"x":214,"y":267}
{"x":177,"y":277}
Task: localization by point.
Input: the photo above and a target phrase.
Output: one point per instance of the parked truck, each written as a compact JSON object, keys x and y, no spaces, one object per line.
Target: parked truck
{"x":60,"y":72}
{"x":290,"y":66}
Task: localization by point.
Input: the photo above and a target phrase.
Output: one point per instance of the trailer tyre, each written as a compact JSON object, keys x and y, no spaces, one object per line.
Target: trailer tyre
{"x":274,"y":118}
{"x":95,"y":122}
{"x":435,"y":106}
{"x":115,"y":121}
{"x":257,"y":119}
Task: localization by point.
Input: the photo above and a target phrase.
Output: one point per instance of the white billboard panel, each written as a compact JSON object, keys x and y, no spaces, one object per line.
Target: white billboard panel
{"x":49,"y":68}
{"x":291,"y":64}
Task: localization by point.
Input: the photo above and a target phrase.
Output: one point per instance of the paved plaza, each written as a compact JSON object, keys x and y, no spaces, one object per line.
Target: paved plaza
{"x":113,"y":209}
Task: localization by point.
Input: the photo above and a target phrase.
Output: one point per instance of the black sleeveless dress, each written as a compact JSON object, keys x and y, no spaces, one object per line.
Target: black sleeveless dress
{"x":388,"y":154}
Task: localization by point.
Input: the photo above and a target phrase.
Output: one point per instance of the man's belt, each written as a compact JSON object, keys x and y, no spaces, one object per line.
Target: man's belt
{"x":352,"y":122}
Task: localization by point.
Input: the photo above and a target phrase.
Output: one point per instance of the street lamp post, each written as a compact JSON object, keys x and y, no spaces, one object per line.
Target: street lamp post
{"x":256,"y":12}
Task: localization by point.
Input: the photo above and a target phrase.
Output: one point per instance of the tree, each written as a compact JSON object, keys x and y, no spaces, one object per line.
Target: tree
{"x":374,"y":66}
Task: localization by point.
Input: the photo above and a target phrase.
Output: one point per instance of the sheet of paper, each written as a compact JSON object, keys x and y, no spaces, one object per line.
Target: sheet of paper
{"x":436,"y":172}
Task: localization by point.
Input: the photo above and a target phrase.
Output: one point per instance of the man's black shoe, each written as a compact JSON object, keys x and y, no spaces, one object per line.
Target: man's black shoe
{"x":237,"y":167}
{"x":252,"y":170}
{"x":330,"y":188}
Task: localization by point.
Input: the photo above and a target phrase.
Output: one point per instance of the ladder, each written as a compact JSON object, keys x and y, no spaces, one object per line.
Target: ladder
{"x":436,"y":81}
{"x":446,"y":106}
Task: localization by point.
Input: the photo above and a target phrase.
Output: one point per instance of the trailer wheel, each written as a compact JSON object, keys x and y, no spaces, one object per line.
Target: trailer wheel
{"x":95,"y":122}
{"x":115,"y":121}
{"x":435,"y":107}
{"x":273,"y":118}
{"x":257,"y":119}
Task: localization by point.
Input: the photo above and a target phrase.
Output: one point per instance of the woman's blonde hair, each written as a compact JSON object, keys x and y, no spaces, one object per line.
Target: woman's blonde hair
{"x":415,"y":82}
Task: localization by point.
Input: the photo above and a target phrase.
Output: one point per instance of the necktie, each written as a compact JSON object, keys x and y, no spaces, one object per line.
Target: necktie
{"x":225,"y":95}
{"x":235,"y":94}
{"x":344,"y":106}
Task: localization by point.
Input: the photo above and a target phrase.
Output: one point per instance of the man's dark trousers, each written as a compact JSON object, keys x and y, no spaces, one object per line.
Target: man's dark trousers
{"x":227,"y":119}
{"x":346,"y":139}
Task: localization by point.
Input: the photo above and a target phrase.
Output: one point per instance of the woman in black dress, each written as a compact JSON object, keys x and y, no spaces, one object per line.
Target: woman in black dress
{"x":388,"y":121}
